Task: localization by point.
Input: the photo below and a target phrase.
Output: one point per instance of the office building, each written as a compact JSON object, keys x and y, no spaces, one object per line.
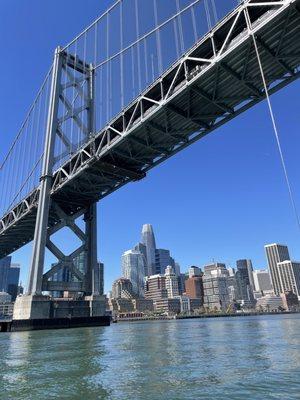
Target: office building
{"x":181,"y":283}
{"x":276,"y":253}
{"x":148,"y":240}
{"x":244,"y":288}
{"x":171,"y":282}
{"x":168,"y":306}
{"x":194,"y":271}
{"x":155,"y":288}
{"x":215,"y":287}
{"x":9,"y":277}
{"x":290,"y":301}
{"x":289,"y":276}
{"x":216,"y":268}
{"x":194,"y":287}
{"x":121,"y":288}
{"x":133,"y":268}
{"x":4,"y":268}
{"x":101,"y":277}
{"x":269,"y":303}
{"x":162,"y":260}
{"x":262,"y":280}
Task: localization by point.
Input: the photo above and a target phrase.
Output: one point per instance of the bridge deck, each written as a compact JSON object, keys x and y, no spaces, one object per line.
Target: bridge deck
{"x":215,"y":81}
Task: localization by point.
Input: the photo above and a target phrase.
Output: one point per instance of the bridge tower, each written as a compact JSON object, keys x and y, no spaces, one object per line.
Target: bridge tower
{"x":81,"y":266}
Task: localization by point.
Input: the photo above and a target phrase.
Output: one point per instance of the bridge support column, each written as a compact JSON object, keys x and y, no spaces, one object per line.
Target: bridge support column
{"x":40,"y":234}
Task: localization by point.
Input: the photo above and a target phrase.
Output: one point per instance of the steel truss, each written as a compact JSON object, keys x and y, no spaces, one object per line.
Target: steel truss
{"x":79,"y":76}
{"x":211,"y":84}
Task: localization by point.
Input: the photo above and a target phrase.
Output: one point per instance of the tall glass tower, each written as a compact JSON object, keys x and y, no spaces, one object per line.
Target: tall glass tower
{"x":148,"y":240}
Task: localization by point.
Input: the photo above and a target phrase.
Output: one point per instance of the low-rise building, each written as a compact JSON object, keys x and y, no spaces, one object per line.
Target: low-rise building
{"x":168,"y":306}
{"x":290,"y":301}
{"x":269,"y":303}
{"x":143,"y":305}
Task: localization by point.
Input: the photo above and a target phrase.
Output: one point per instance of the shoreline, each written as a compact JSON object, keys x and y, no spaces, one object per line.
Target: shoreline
{"x":201,"y":316}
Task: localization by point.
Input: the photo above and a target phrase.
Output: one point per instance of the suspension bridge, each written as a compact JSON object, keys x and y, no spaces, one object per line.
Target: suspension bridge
{"x":141,"y":83}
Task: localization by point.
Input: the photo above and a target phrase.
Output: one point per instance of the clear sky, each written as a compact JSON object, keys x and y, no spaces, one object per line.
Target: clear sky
{"x":223,"y":198}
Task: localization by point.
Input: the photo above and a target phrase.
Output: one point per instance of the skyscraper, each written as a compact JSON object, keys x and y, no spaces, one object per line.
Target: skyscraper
{"x":262,"y":280}
{"x":4,"y":268}
{"x":148,"y":240}
{"x":171,"y":282}
{"x":215,"y":286}
{"x":162,"y":260}
{"x":133,"y":268}
{"x":9,"y":277}
{"x":276,"y":253}
{"x":289,"y":276}
{"x":244,"y":287}
{"x":13,"y":280}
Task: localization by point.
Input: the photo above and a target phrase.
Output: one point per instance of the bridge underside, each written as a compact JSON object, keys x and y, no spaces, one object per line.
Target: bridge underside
{"x":213,"y":83}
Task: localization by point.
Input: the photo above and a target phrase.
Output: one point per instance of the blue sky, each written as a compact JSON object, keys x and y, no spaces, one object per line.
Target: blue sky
{"x":223,"y":198}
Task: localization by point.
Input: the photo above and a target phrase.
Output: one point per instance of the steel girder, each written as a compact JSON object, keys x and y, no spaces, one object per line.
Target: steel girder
{"x":212,"y":83}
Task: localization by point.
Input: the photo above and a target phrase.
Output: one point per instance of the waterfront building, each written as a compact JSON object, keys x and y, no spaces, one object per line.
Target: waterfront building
{"x":276,"y":253}
{"x":194,"y":287}
{"x":122,"y":287}
{"x":101,"y":278}
{"x":4,"y":268}
{"x":244,"y":288}
{"x":232,"y":285}
{"x":13,"y":280}
{"x":168,"y":306}
{"x":148,"y":240}
{"x":142,"y":305}
{"x":171,"y":282}
{"x":155,"y":287}
{"x":269,"y":303}
{"x":133,"y":268}
{"x":9,"y":277}
{"x":215,"y":292}
{"x":289,"y":276}
{"x":290,"y":301}
{"x":188,"y":305}
{"x":262,"y":280}
{"x":215,"y":287}
{"x":120,"y":305}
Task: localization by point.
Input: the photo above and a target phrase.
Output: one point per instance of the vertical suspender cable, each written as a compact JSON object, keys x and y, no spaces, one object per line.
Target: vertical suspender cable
{"x":176,"y":38}
{"x":146,"y":59}
{"x":207,"y":14}
{"x":121,"y":55}
{"x":94,"y":75}
{"x":158,"y":41}
{"x":283,"y":164}
{"x":132,"y":72}
{"x":180,"y":27}
{"x":214,"y":11}
{"x":137,"y":28}
{"x":107,"y":67}
{"x":194,"y":23}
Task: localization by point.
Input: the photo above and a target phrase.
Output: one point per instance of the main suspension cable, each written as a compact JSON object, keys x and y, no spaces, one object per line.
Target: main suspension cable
{"x":282,"y":159}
